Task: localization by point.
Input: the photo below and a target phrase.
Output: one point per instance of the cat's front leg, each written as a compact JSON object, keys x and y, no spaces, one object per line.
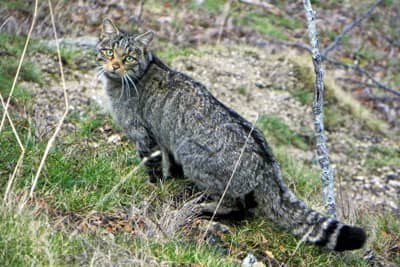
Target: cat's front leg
{"x":147,"y":149}
{"x":170,"y":168}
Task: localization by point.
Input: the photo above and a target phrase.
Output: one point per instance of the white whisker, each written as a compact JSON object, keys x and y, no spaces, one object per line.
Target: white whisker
{"x":132,"y":82}
{"x":100,"y":73}
{"x":129,"y":87}
{"x":122,"y":88}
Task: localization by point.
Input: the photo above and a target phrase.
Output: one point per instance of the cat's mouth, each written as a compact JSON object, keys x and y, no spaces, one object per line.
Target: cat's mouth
{"x":128,"y":84}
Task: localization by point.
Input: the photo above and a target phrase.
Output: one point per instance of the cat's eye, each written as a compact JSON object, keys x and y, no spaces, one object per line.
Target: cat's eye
{"x":129,"y":59}
{"x":109,"y":52}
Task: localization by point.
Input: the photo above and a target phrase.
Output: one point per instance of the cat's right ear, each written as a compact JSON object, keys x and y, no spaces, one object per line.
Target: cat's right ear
{"x":109,"y":29}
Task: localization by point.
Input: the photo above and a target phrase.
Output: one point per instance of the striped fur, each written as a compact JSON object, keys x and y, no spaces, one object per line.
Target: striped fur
{"x":201,"y":138}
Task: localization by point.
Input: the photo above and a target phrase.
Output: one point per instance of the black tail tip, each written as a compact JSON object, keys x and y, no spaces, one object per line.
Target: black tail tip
{"x":350,"y":237}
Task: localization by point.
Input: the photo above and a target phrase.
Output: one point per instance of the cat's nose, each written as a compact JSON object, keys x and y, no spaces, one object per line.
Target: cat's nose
{"x":115,"y":66}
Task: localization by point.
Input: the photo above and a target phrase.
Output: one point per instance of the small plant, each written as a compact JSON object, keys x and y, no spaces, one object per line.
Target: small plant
{"x":242,"y":90}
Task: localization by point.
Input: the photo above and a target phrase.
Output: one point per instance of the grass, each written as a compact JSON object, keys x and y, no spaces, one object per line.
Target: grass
{"x":10,"y":51}
{"x":168,"y":53}
{"x":211,"y":6}
{"x":379,"y":156}
{"x":19,"y":5}
{"x":280,"y":132}
{"x":266,"y":25}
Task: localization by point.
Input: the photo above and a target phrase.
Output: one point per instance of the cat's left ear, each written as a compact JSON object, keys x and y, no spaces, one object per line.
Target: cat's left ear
{"x":145,"y":38}
{"x":109,"y":28}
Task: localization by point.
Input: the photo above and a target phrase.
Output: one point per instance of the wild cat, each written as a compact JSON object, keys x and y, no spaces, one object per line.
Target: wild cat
{"x":201,"y":138}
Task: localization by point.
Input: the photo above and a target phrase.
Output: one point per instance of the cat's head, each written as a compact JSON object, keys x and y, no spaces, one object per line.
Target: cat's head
{"x":123,"y":56}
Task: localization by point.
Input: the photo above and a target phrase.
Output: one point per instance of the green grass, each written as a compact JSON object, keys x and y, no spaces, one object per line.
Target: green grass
{"x":11,"y":47}
{"x":280,"y":132}
{"x":300,"y":176}
{"x":242,"y":90}
{"x":379,"y":156}
{"x":168,"y":53}
{"x":261,"y":237}
{"x":19,"y":5}
{"x":211,"y":6}
{"x":272,"y":26}
{"x":266,"y":26}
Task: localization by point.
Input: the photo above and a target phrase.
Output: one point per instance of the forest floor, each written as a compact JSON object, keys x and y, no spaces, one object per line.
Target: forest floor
{"x":82,"y":214}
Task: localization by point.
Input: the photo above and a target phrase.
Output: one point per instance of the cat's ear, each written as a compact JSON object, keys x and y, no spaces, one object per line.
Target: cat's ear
{"x":109,"y":28}
{"x":145,"y":38}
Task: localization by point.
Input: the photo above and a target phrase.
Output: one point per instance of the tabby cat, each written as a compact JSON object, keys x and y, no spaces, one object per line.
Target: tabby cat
{"x":201,"y":138}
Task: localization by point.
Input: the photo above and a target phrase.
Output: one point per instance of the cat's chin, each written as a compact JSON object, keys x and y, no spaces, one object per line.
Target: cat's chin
{"x":112,"y":76}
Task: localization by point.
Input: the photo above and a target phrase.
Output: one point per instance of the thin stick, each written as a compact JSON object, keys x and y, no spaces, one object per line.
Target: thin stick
{"x":21,"y":60}
{"x":139,"y":13}
{"x":230,"y":179}
{"x":323,"y":157}
{"x":350,"y":26}
{"x":58,"y":128}
{"x":5,"y":22}
{"x":224,"y":18}
{"x":21,"y":156}
{"x":128,"y":176}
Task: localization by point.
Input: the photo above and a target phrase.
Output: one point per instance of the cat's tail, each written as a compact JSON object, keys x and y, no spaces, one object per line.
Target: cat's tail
{"x":277,"y":202}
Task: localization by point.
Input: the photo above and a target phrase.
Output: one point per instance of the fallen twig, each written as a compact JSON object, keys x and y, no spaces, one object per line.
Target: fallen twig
{"x":322,"y":152}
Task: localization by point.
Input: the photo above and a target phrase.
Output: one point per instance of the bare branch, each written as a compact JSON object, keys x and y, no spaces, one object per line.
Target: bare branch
{"x":349,"y":27}
{"x":322,"y":152}
{"x":361,"y":70}
{"x":369,"y":96}
{"x":340,"y":64}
